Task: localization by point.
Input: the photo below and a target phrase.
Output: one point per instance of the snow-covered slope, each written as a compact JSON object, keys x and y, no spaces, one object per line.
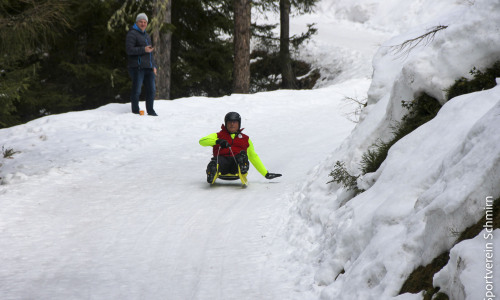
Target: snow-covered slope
{"x":434,"y":181}
{"x":471,"y":274}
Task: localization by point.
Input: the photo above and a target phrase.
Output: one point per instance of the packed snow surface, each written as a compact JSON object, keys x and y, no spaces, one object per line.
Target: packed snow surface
{"x":104,"y":204}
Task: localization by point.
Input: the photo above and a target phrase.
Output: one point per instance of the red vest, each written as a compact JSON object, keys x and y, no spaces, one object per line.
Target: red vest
{"x":239,"y":143}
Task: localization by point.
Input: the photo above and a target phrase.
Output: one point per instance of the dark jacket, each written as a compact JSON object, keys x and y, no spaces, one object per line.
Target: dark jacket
{"x":135,"y":43}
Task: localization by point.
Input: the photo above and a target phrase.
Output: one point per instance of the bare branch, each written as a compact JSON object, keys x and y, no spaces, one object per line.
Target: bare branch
{"x":407,"y":46}
{"x":359,"y":105}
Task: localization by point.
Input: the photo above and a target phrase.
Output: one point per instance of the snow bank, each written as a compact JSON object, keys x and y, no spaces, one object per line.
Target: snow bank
{"x":433,"y":181}
{"x":389,"y":15}
{"x":66,"y":141}
{"x":470,"y":273}
{"x":433,"y":67}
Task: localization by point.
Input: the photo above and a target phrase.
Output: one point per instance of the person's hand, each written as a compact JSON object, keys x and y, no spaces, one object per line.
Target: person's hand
{"x":223,"y":143}
{"x":148,"y":49}
{"x":272,"y":175}
{"x":154,"y":70}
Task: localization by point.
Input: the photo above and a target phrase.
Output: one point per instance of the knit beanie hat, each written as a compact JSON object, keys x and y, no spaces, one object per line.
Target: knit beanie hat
{"x":141,"y":16}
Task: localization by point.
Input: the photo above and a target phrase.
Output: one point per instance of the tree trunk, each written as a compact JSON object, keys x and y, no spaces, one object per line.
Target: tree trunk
{"x":241,"y":68}
{"x":287,"y":77}
{"x":162,"y":40}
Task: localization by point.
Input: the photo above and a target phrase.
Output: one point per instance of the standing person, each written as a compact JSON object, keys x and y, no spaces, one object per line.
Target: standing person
{"x":228,"y":142}
{"x":141,"y":64}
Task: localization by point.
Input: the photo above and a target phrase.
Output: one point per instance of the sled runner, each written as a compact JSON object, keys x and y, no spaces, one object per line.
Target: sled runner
{"x":239,"y":175}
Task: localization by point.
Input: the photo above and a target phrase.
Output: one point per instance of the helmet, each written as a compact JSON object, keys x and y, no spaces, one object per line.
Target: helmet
{"x":232,"y":116}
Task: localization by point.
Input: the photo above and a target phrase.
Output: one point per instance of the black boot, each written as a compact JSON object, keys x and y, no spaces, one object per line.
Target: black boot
{"x":242,"y":159}
{"x":211,"y":170}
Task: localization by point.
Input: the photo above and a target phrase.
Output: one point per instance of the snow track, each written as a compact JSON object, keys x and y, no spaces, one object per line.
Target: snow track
{"x":105,"y":204}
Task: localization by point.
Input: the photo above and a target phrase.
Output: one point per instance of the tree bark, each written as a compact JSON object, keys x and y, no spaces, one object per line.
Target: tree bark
{"x":287,"y":77}
{"x":241,"y":68}
{"x":162,"y":40}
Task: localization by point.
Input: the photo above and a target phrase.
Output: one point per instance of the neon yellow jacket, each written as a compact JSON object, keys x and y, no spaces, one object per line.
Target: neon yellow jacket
{"x":210,"y":140}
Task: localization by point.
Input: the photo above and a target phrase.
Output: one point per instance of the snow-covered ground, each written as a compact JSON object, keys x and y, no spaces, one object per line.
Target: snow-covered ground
{"x":104,"y":204}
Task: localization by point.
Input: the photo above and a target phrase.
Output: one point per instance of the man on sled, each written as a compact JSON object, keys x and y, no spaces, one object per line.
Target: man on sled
{"x":231,"y":152}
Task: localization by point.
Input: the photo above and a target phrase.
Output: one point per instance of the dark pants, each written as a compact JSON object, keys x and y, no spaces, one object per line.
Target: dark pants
{"x":139,"y":77}
{"x":227,"y":165}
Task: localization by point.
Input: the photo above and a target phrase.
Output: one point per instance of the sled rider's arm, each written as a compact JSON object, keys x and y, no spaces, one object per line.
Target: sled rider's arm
{"x":208,"y":140}
{"x":255,"y":159}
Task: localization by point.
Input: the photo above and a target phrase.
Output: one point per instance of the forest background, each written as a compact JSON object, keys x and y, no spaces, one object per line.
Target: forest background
{"x":65,"y":55}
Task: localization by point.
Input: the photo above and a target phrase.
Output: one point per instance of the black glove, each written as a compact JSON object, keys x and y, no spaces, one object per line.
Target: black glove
{"x":223,"y":143}
{"x":272,"y":175}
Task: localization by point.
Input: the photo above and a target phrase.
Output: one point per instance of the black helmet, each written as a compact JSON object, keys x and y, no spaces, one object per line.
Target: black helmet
{"x":232,"y":116}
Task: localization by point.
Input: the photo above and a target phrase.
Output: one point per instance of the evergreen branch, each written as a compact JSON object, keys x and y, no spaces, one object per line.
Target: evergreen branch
{"x":218,"y":10}
{"x":296,"y":40}
{"x":31,"y":26}
{"x":118,"y":18}
{"x":266,"y":37}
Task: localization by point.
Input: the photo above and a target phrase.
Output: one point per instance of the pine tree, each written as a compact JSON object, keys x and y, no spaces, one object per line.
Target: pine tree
{"x":28,"y":30}
{"x":89,"y":62}
{"x":287,"y":77}
{"x":201,"y":48}
{"x":301,"y":6}
{"x":275,"y":60}
{"x":162,"y":40}
{"x":241,"y":68}
{"x":58,"y":57}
